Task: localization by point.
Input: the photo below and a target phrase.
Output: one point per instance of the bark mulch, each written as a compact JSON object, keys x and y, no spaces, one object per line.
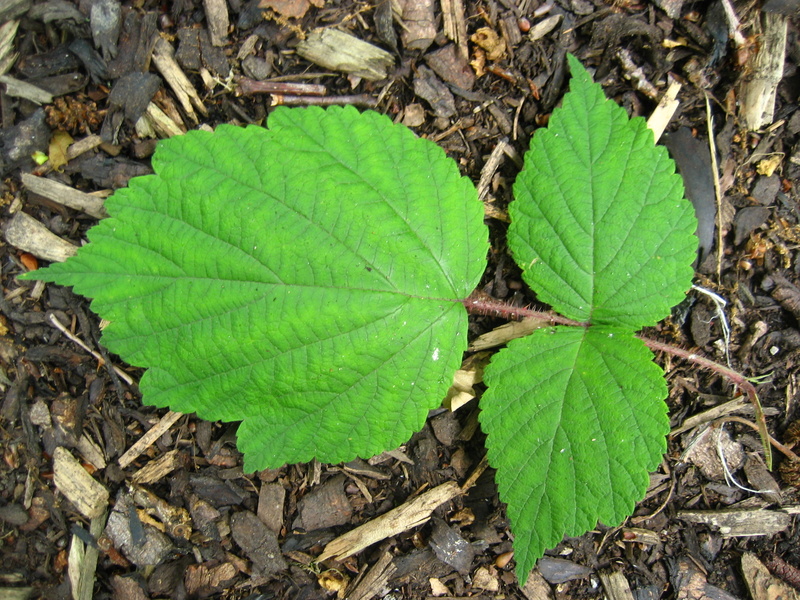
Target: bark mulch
{"x":102,"y":497}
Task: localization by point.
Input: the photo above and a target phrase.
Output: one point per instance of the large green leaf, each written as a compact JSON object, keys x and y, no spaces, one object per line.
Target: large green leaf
{"x":575,"y":420}
{"x":301,"y":278}
{"x":599,"y":225}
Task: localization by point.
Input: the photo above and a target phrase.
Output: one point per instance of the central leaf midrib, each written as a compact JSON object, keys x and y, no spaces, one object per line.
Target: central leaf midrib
{"x":279,"y":285}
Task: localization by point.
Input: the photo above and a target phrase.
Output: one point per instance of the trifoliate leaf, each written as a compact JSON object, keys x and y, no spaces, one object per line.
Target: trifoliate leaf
{"x":302,"y":278}
{"x":575,"y":420}
{"x":599,"y":224}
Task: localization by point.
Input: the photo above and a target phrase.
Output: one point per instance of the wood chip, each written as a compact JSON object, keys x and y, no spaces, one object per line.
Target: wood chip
{"x":217,"y":19}
{"x":375,"y":580}
{"x":741,"y":523}
{"x":8,"y":57}
{"x":156,"y":123}
{"x":66,"y":195}
{"x":455,"y":25}
{"x":761,"y":583}
{"x":82,"y":561}
{"x":339,"y":51}
{"x":616,"y":585}
{"x":23,"y":89}
{"x":157,"y":469}
{"x":406,"y":516}
{"x":493,"y":163}
{"x":144,"y":442}
{"x":764,"y":71}
{"x":28,"y":234}
{"x":202,"y":581}
{"x":537,"y":588}
{"x":91,"y":452}
{"x":662,"y":115}
{"x":87,"y":494}
{"x":164,"y":60}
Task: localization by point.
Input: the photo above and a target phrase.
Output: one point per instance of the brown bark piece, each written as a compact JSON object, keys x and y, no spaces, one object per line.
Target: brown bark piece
{"x":419,"y":24}
{"x":428,"y":87}
{"x":202,"y":581}
{"x":704,"y":453}
{"x":561,"y":570}
{"x":787,"y":293}
{"x":196,"y":50}
{"x":690,"y":584}
{"x":127,"y":588}
{"x":258,"y":543}
{"x":451,"y":66}
{"x":450,"y":548}
{"x":384,"y":23}
{"x":270,"y":506}
{"x":135,"y":44}
{"x":105,"y":20}
{"x":325,"y":506}
{"x":295,"y":9}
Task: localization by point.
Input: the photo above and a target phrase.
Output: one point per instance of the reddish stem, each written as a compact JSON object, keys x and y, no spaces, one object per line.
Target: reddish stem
{"x":483,"y":304}
{"x":479,"y":303}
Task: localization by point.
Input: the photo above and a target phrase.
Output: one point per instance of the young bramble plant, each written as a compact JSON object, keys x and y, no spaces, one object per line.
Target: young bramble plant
{"x":308,"y":280}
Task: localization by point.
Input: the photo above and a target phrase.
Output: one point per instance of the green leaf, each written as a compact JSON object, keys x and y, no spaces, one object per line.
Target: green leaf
{"x":575,"y":420}
{"x":599,"y":225}
{"x":303,"y":279}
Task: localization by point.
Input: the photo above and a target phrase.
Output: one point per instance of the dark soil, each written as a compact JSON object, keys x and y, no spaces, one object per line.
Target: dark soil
{"x":213,"y":530}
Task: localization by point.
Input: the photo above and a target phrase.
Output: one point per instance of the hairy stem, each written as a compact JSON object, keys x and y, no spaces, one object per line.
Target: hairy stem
{"x":479,"y":303}
{"x":483,"y":304}
{"x":739,"y":380}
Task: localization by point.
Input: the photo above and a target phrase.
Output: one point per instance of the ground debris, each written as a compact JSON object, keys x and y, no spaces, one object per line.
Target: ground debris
{"x":258,"y":542}
{"x":449,"y":547}
{"x":325,"y":506}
